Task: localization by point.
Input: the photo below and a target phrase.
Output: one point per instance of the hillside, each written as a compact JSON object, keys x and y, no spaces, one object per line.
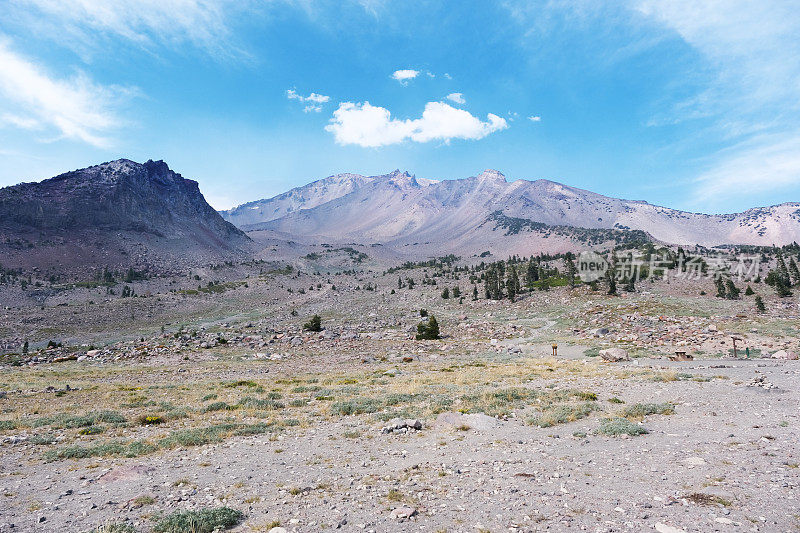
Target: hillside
{"x":119,"y":213}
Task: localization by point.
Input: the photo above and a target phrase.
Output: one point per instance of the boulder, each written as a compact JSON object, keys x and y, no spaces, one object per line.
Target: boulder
{"x":614,"y":355}
{"x":784,"y":354}
{"x":476,"y":421}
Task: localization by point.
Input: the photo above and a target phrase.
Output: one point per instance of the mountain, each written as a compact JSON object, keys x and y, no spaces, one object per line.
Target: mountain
{"x":119,"y":213}
{"x":473,"y":213}
{"x":312,"y":195}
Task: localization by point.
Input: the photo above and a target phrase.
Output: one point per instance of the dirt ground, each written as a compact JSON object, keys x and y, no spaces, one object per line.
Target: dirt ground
{"x":232,"y":405}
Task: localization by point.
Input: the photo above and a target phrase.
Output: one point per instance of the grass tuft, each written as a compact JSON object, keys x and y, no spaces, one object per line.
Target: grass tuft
{"x":203,"y":521}
{"x":614,"y":427}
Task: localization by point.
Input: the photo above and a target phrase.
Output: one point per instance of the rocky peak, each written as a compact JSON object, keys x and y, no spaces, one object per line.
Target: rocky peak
{"x":492,"y":176}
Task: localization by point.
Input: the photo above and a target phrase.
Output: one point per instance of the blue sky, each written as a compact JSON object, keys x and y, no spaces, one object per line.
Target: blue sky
{"x":689,"y":104}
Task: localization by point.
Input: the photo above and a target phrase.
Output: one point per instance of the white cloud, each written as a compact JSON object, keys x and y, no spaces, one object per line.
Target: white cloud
{"x":372,"y":126}
{"x":535,"y":118}
{"x":403,"y":76}
{"x":76,"y":108}
{"x":457,"y":98}
{"x":314,"y":101}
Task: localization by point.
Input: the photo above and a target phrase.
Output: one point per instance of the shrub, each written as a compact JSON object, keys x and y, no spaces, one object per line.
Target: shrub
{"x":249,"y":401}
{"x":563,"y":413}
{"x":356,"y":406}
{"x":641,"y":410}
{"x":620,"y":426}
{"x":313,"y":324}
{"x":92,"y":430}
{"x":203,"y":521}
{"x":150,"y":420}
{"x":218,"y":406}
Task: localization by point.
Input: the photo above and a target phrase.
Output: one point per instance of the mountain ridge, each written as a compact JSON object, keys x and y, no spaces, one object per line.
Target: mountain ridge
{"x":400,"y":213}
{"x":117,"y":213}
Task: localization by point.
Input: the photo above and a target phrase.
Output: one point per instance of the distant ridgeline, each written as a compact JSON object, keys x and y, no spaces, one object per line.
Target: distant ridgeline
{"x":624,"y":238}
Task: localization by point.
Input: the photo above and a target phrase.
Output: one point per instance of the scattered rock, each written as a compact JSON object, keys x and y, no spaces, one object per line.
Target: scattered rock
{"x":614,"y":355}
{"x":664,"y":528}
{"x":402,"y":425}
{"x":403,"y":513}
{"x":785,"y":354}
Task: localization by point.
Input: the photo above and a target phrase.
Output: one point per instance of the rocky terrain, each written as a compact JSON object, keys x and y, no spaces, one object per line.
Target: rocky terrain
{"x":162,"y":372}
{"x":456,"y":215}
{"x":209,"y":396}
{"x":117,"y":214}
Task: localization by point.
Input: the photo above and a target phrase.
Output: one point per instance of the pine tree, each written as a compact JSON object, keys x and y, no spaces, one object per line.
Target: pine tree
{"x":569,"y":266}
{"x":720,"y":287}
{"x":611,"y":274}
{"x":629,"y":284}
{"x":428,"y":330}
{"x":474,"y":292}
{"x":512,"y":283}
{"x":314,"y":324}
{"x":794,"y":272}
{"x":531,"y":275}
{"x":760,"y":307}
{"x":446,"y":293}
{"x":731,"y":292}
{"x":749,"y":291}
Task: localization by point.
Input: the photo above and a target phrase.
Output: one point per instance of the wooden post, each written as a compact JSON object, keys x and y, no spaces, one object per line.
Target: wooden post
{"x":555,"y":349}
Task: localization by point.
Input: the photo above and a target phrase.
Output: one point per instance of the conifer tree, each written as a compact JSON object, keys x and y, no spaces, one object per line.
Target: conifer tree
{"x":731,"y":292}
{"x":569,"y":267}
{"x":512,"y":283}
{"x":611,"y":274}
{"x":760,"y":307}
{"x":720,"y":286}
{"x":428,"y":330}
{"x":794,"y":272}
{"x":531,"y":275}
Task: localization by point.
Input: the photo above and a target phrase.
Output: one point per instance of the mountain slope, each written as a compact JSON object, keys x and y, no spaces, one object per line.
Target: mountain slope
{"x":307,"y":197}
{"x":115,"y":213}
{"x":397,"y":209}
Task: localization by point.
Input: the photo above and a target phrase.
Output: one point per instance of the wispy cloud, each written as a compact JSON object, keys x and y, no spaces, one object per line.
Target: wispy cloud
{"x":313,"y":101}
{"x":74,"y":108}
{"x":535,"y":118}
{"x":750,"y":169}
{"x":752,"y":55}
{"x":457,"y":98}
{"x":404,"y":75}
{"x":203,"y":24}
{"x":371,"y":126}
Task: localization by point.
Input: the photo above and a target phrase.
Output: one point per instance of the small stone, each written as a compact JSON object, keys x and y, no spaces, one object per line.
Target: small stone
{"x":403,"y":513}
{"x":614,"y":355}
{"x":664,"y":528}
